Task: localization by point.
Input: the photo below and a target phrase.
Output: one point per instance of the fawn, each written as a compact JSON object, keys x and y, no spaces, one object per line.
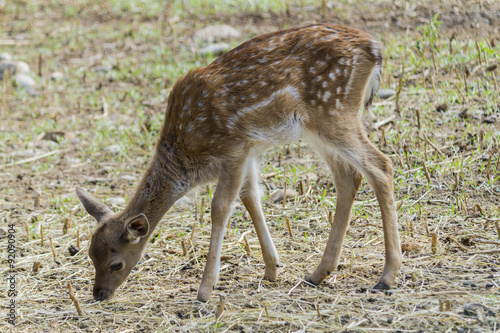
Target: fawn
{"x":300,"y":83}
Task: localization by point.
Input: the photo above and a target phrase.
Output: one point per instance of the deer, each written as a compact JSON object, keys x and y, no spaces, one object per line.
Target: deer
{"x":303,"y":83}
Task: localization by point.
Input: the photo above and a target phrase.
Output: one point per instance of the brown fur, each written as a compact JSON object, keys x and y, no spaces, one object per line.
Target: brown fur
{"x":305,"y":82}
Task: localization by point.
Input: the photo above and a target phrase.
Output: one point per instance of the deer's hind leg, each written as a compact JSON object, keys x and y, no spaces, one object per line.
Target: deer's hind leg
{"x":347,"y":180}
{"x":353,"y":147}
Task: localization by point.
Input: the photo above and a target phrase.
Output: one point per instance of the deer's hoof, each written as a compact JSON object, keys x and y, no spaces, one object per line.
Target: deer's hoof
{"x":381,"y":286}
{"x":203,"y":295}
{"x":307,"y":278}
{"x":271,"y":274}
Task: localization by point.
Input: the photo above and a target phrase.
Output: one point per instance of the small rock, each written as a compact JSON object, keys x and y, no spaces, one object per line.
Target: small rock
{"x":128,"y":178}
{"x":22,"y":67}
{"x":184,"y":202}
{"x":103,"y":68}
{"x":56,"y":76}
{"x":216,"y":49}
{"x":95,"y":180}
{"x":442,"y":108}
{"x":4,"y":56}
{"x":56,"y":136}
{"x":116,"y":201}
{"x":490,"y":119}
{"x":216,"y":33}
{"x":244,"y":271}
{"x":7,"y":69}
{"x":114,"y":149}
{"x":279,"y":194}
{"x":25,"y":153}
{"x":26,"y":82}
{"x":311,"y":177}
{"x":73,"y":250}
{"x":386,"y":93}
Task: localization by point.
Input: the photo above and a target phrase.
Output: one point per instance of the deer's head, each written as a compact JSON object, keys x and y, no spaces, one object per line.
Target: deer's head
{"x":116,"y":246}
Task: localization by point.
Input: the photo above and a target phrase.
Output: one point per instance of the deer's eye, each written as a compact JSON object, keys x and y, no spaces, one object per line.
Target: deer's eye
{"x":116,"y":267}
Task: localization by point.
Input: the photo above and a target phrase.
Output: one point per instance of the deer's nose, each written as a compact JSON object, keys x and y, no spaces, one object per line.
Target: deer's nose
{"x":101,"y":294}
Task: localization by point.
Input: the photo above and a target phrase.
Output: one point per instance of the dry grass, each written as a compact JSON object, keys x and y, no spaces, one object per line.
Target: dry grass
{"x":446,"y":176}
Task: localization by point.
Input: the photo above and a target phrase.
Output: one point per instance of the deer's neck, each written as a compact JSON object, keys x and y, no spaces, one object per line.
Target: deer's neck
{"x":161,"y":186}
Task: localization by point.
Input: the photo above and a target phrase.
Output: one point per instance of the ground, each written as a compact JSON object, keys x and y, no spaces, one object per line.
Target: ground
{"x":95,"y":123}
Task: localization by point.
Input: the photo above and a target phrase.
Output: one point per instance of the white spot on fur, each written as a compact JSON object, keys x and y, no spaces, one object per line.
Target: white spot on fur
{"x":326,"y":96}
{"x":339,"y":89}
{"x":338,"y":104}
{"x":320,"y":63}
{"x":324,"y":84}
{"x":331,"y":76}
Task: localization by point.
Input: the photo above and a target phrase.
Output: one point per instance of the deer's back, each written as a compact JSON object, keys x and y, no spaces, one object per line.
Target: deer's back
{"x":269,"y":89}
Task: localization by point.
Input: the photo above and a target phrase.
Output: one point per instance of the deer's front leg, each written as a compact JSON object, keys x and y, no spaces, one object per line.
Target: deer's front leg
{"x":249,"y":195}
{"x":227,"y":189}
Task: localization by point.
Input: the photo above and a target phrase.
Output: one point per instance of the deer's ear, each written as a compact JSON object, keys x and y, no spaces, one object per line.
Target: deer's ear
{"x":137,"y":227}
{"x":92,"y":205}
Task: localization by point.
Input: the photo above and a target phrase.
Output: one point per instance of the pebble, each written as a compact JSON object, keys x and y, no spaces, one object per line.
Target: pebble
{"x":114,"y":149}
{"x":57,"y":136}
{"x":22,"y":67}
{"x":103,"y":68}
{"x":5,"y":56}
{"x":128,"y":178}
{"x":244,"y":271}
{"x":95,"y":180}
{"x":26,"y":82}
{"x":214,"y":33}
{"x":490,"y":119}
{"x":73,"y":250}
{"x":184,"y":202}
{"x":442,"y":107}
{"x":116,"y":201}
{"x":25,"y":153}
{"x":386,"y":93}
{"x":56,"y":76}
{"x":311,"y":177}
{"x":216,"y":49}
{"x":279,"y":194}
